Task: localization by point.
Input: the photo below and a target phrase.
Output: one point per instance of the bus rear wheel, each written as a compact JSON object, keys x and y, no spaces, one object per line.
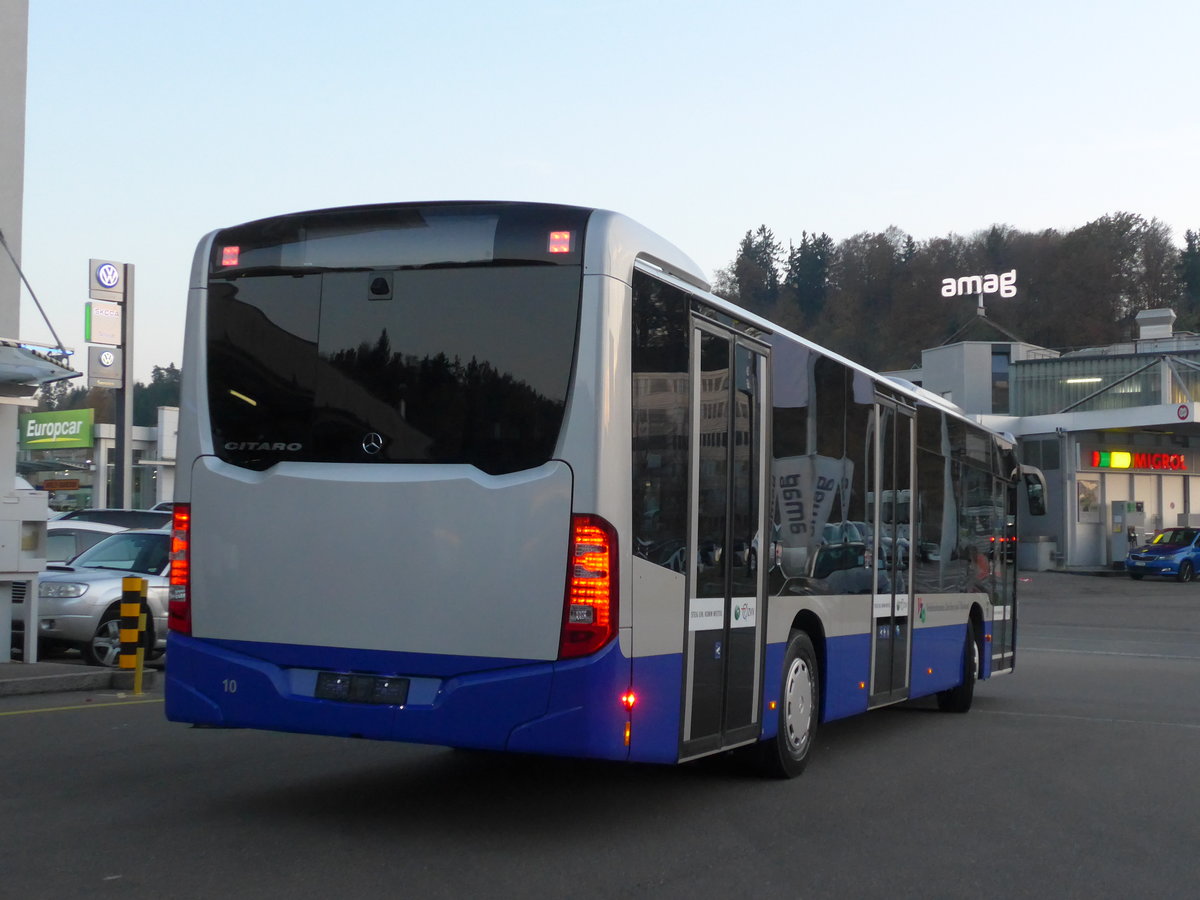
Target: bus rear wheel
{"x":958,"y":699}
{"x":799,"y":707}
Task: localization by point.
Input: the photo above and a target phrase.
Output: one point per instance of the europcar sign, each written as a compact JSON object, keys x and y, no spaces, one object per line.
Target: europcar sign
{"x":57,"y":430}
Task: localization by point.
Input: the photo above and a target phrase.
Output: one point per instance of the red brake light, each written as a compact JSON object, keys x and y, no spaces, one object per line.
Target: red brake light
{"x":179,"y":606}
{"x":229,"y":255}
{"x":590,"y":614}
{"x":560,"y":242}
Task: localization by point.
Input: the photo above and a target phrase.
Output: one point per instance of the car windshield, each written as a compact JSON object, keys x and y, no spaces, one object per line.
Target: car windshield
{"x":143,"y":552}
{"x":1175,"y":536}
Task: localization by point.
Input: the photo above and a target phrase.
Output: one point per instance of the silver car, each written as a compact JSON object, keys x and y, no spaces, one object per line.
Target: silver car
{"x":79,"y":604}
{"x":66,"y":539}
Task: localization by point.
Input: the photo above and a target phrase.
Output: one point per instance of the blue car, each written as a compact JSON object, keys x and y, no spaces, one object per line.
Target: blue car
{"x":1172,"y":552}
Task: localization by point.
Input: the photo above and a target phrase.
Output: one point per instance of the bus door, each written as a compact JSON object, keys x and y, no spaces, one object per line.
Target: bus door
{"x":726,"y":609}
{"x":1004,"y":573}
{"x":893,"y":464}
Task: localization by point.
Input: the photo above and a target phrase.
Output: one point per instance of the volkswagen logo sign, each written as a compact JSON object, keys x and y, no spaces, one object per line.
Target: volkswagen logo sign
{"x":108,"y":275}
{"x":372,"y":443}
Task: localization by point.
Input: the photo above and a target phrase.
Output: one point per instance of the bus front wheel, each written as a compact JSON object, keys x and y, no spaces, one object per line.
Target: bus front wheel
{"x":799,"y":708}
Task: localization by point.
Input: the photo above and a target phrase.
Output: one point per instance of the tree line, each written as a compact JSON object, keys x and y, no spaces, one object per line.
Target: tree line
{"x":163,"y":390}
{"x":877,"y":298}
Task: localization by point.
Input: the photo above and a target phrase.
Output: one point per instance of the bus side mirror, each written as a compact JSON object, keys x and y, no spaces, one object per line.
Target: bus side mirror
{"x":1035,"y":489}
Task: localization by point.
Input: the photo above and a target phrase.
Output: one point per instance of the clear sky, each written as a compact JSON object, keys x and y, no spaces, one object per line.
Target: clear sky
{"x":151,"y":122}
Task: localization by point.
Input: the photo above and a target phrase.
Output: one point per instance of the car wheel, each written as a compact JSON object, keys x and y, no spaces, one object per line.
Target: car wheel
{"x":958,"y":699}
{"x":104,"y":649}
{"x":799,"y":708}
{"x":1186,"y":573}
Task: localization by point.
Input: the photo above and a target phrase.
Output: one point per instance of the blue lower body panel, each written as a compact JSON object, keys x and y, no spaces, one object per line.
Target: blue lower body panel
{"x":937,"y":659}
{"x":658,"y":715}
{"x":937,"y":665}
{"x":846,"y":664}
{"x":570,"y":708}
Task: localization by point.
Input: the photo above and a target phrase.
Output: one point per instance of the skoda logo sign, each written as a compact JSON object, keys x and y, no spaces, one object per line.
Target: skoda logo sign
{"x":372,"y":443}
{"x":107,"y":275}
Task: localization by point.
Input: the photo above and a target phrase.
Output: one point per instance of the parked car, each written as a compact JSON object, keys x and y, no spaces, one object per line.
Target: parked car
{"x":79,"y":604}
{"x":164,"y":505}
{"x":1172,"y":553}
{"x":126,"y":518}
{"x":66,"y":539}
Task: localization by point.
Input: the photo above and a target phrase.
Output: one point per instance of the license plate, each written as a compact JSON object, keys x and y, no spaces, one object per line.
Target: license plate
{"x":349,"y":688}
{"x":1138,"y":562}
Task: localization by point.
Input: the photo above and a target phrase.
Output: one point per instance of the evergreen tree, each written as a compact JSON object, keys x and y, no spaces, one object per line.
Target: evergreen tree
{"x":756,"y":271}
{"x":876,"y":297}
{"x":806,"y":281}
{"x":1189,"y":281}
{"x":163,"y":390}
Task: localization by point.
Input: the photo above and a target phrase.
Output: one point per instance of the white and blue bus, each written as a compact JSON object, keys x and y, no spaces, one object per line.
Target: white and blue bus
{"x":509,"y":476}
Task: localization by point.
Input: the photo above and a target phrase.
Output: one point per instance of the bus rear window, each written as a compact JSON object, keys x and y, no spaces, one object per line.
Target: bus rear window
{"x":365,"y":349}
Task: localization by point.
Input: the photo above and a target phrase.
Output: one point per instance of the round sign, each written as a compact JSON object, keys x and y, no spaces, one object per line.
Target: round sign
{"x":107,"y":358}
{"x":107,"y":275}
{"x":1183,"y":411}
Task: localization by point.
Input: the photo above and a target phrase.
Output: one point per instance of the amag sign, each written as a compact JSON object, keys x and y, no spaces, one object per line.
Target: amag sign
{"x":56,"y":430}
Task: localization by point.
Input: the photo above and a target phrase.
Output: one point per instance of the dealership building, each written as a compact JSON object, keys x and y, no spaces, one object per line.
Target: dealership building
{"x":1113,"y":428}
{"x":64,"y":453}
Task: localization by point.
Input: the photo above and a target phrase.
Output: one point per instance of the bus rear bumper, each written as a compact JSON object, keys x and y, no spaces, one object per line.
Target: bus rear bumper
{"x":529,"y":706}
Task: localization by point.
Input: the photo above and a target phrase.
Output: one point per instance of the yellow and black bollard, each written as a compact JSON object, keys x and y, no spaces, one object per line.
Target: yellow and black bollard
{"x":133,"y":626}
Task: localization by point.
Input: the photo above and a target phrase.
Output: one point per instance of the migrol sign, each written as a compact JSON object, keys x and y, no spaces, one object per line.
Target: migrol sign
{"x":1147,"y":461}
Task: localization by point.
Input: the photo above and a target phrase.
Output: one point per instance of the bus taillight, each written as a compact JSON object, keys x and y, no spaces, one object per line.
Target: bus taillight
{"x":590,"y":617}
{"x":179,"y":607}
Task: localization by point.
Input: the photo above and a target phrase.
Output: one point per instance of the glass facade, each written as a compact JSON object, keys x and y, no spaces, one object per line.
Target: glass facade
{"x":71,"y":476}
{"x":1091,"y":383}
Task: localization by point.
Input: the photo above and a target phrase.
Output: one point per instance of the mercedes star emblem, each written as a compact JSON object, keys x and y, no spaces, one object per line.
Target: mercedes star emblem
{"x":373,"y":442}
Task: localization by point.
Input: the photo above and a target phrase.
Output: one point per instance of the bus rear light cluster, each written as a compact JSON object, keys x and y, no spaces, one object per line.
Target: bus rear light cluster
{"x":179,"y":606}
{"x":590,"y":617}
